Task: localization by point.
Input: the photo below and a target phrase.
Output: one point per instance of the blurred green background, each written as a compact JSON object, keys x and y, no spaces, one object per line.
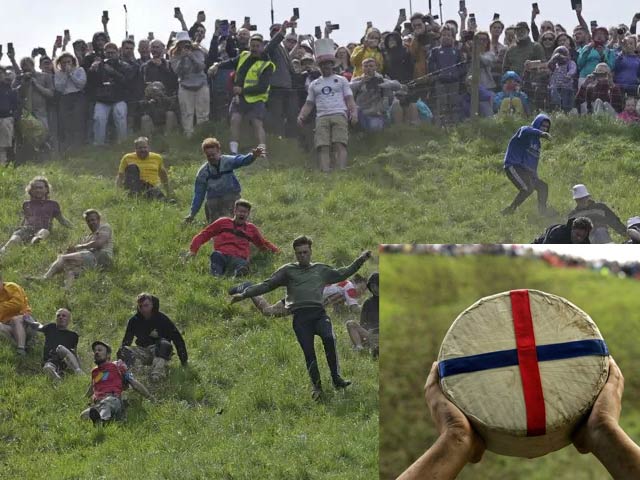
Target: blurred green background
{"x":423,"y":294}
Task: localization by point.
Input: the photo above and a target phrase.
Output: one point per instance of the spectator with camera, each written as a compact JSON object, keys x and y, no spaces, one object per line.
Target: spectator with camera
{"x":34,"y":89}
{"x":595,"y":53}
{"x":158,"y":69}
{"x":282,"y":107}
{"x":188,"y":63}
{"x":251,"y":88}
{"x":564,"y":73}
{"x":598,"y":94}
{"x":109,"y":79}
{"x":69,"y":82}
{"x":134,"y":91}
{"x":373,"y":95}
{"x":627,"y":67}
{"x":369,"y":49}
{"x":523,"y":50}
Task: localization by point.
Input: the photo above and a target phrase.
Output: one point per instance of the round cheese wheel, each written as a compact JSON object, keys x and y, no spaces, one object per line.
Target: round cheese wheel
{"x":525,"y":367}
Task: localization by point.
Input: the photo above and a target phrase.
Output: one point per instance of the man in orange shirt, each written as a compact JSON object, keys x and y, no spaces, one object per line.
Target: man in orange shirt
{"x":14,"y":311}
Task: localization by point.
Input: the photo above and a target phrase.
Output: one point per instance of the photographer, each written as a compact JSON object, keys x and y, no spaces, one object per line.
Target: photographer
{"x":34,"y":89}
{"x":282,"y":107}
{"x":69,"y":82}
{"x":370,"y":49}
{"x":627,"y":67}
{"x":187,"y":61}
{"x":523,"y":50}
{"x":598,"y":94}
{"x":108,"y":79}
{"x":372,"y":93}
{"x":134,"y":90}
{"x":158,"y":69}
{"x":595,"y":53}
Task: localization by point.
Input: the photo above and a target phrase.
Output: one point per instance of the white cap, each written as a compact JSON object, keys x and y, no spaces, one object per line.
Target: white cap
{"x":183,"y":37}
{"x":580,"y":191}
{"x":633,"y":221}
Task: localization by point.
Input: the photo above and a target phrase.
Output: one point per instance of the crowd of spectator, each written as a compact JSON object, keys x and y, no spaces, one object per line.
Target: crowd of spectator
{"x":418,"y":70}
{"x":629,"y":269}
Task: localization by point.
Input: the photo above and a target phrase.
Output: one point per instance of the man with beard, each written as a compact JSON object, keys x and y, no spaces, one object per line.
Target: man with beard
{"x":108,"y":380}
{"x":154,"y":333}
{"x":523,"y":50}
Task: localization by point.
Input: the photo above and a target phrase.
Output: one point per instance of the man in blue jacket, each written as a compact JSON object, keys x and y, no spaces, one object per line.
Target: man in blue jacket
{"x":217,"y":181}
{"x":521,"y":163}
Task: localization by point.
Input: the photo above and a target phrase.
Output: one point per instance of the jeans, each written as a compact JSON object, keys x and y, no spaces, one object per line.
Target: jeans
{"x":222,"y":264}
{"x":101,"y":114}
{"x":563,"y":98}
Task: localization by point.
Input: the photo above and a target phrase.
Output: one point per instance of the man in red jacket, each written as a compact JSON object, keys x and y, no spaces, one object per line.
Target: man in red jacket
{"x":231,"y":237}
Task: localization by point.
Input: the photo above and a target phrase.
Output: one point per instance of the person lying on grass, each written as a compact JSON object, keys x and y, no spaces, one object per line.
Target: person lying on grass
{"x":14,"y":309}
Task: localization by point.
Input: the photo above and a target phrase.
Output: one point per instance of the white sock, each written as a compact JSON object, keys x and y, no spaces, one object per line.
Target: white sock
{"x":233,"y":146}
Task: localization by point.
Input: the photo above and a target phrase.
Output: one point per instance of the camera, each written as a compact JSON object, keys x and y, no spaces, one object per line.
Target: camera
{"x":318,"y":33}
{"x":621,"y":31}
{"x":332,"y":26}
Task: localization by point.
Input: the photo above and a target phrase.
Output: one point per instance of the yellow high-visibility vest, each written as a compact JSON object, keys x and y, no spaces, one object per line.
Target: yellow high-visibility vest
{"x":253,"y":77}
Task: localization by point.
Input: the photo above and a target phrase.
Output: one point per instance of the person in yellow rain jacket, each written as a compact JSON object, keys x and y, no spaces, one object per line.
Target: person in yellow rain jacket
{"x":14,"y":307}
{"x":370,"y":49}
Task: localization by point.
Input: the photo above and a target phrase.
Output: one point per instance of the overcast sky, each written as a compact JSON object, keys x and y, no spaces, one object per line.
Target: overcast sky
{"x":30,"y":23}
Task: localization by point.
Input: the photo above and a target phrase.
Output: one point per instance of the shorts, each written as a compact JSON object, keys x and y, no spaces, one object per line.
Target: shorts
{"x":110,"y":407}
{"x":96,"y":259}
{"x":331,"y":129}
{"x":250,"y":111}
{"x":26,"y":233}
{"x":6,"y":132}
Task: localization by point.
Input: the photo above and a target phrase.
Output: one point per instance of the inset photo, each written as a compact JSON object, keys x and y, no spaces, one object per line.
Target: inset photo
{"x":509,"y":361}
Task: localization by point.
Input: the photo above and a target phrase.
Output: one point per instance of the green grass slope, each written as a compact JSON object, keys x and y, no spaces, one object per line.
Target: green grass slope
{"x":242,"y":409}
{"x":422,"y":295}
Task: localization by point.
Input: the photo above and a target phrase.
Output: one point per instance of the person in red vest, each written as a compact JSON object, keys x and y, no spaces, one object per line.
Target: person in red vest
{"x":231,"y":239}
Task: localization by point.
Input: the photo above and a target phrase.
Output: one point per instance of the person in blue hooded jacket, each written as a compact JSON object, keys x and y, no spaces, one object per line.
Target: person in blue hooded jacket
{"x":521,"y":163}
{"x":511,"y":101}
{"x":217,"y":181}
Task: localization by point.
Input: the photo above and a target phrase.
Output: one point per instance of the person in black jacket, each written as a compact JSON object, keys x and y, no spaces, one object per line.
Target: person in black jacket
{"x":108,"y":80}
{"x":154,"y":333}
{"x":576,"y":230}
{"x":599,"y":213}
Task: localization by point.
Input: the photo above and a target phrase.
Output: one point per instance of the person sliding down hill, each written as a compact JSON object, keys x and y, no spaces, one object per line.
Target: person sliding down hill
{"x":521,"y":163}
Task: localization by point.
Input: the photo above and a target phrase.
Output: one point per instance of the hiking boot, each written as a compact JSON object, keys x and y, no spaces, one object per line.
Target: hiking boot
{"x":340,"y":382}
{"x":239,"y":288}
{"x":95,"y":417}
{"x":316,"y":393}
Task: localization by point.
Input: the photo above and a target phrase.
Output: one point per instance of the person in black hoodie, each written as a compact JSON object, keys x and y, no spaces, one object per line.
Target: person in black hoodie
{"x":365,"y":333}
{"x":576,"y":231}
{"x":154,"y":333}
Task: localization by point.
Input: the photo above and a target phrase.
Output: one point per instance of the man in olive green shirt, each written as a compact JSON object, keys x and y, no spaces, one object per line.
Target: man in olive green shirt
{"x":305,"y":282}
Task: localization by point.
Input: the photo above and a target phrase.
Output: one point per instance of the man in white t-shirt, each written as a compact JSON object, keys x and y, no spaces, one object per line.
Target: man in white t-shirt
{"x":332,"y":97}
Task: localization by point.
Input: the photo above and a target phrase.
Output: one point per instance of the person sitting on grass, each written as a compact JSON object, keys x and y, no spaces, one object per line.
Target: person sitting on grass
{"x":599,"y":213}
{"x":60,"y":344}
{"x":365,"y":333}
{"x":94,"y":250}
{"x":154,"y":332}
{"x":231,"y":238}
{"x":633,"y":230}
{"x":141,"y":172}
{"x":14,"y":308}
{"x":304,"y":282}
{"x":216,"y":180}
{"x":38,"y":214}
{"x":108,"y":380}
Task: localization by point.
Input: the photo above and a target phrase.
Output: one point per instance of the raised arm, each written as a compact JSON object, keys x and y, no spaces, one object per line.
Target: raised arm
{"x":278,"y":279}
{"x":339,"y":274}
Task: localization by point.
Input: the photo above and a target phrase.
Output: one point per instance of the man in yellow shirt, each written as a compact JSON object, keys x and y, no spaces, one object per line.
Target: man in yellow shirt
{"x":14,"y":307}
{"x":142,"y":172}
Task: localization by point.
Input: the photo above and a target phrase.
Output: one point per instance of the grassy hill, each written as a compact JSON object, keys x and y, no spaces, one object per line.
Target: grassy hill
{"x":422,"y":295}
{"x":243,"y":407}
